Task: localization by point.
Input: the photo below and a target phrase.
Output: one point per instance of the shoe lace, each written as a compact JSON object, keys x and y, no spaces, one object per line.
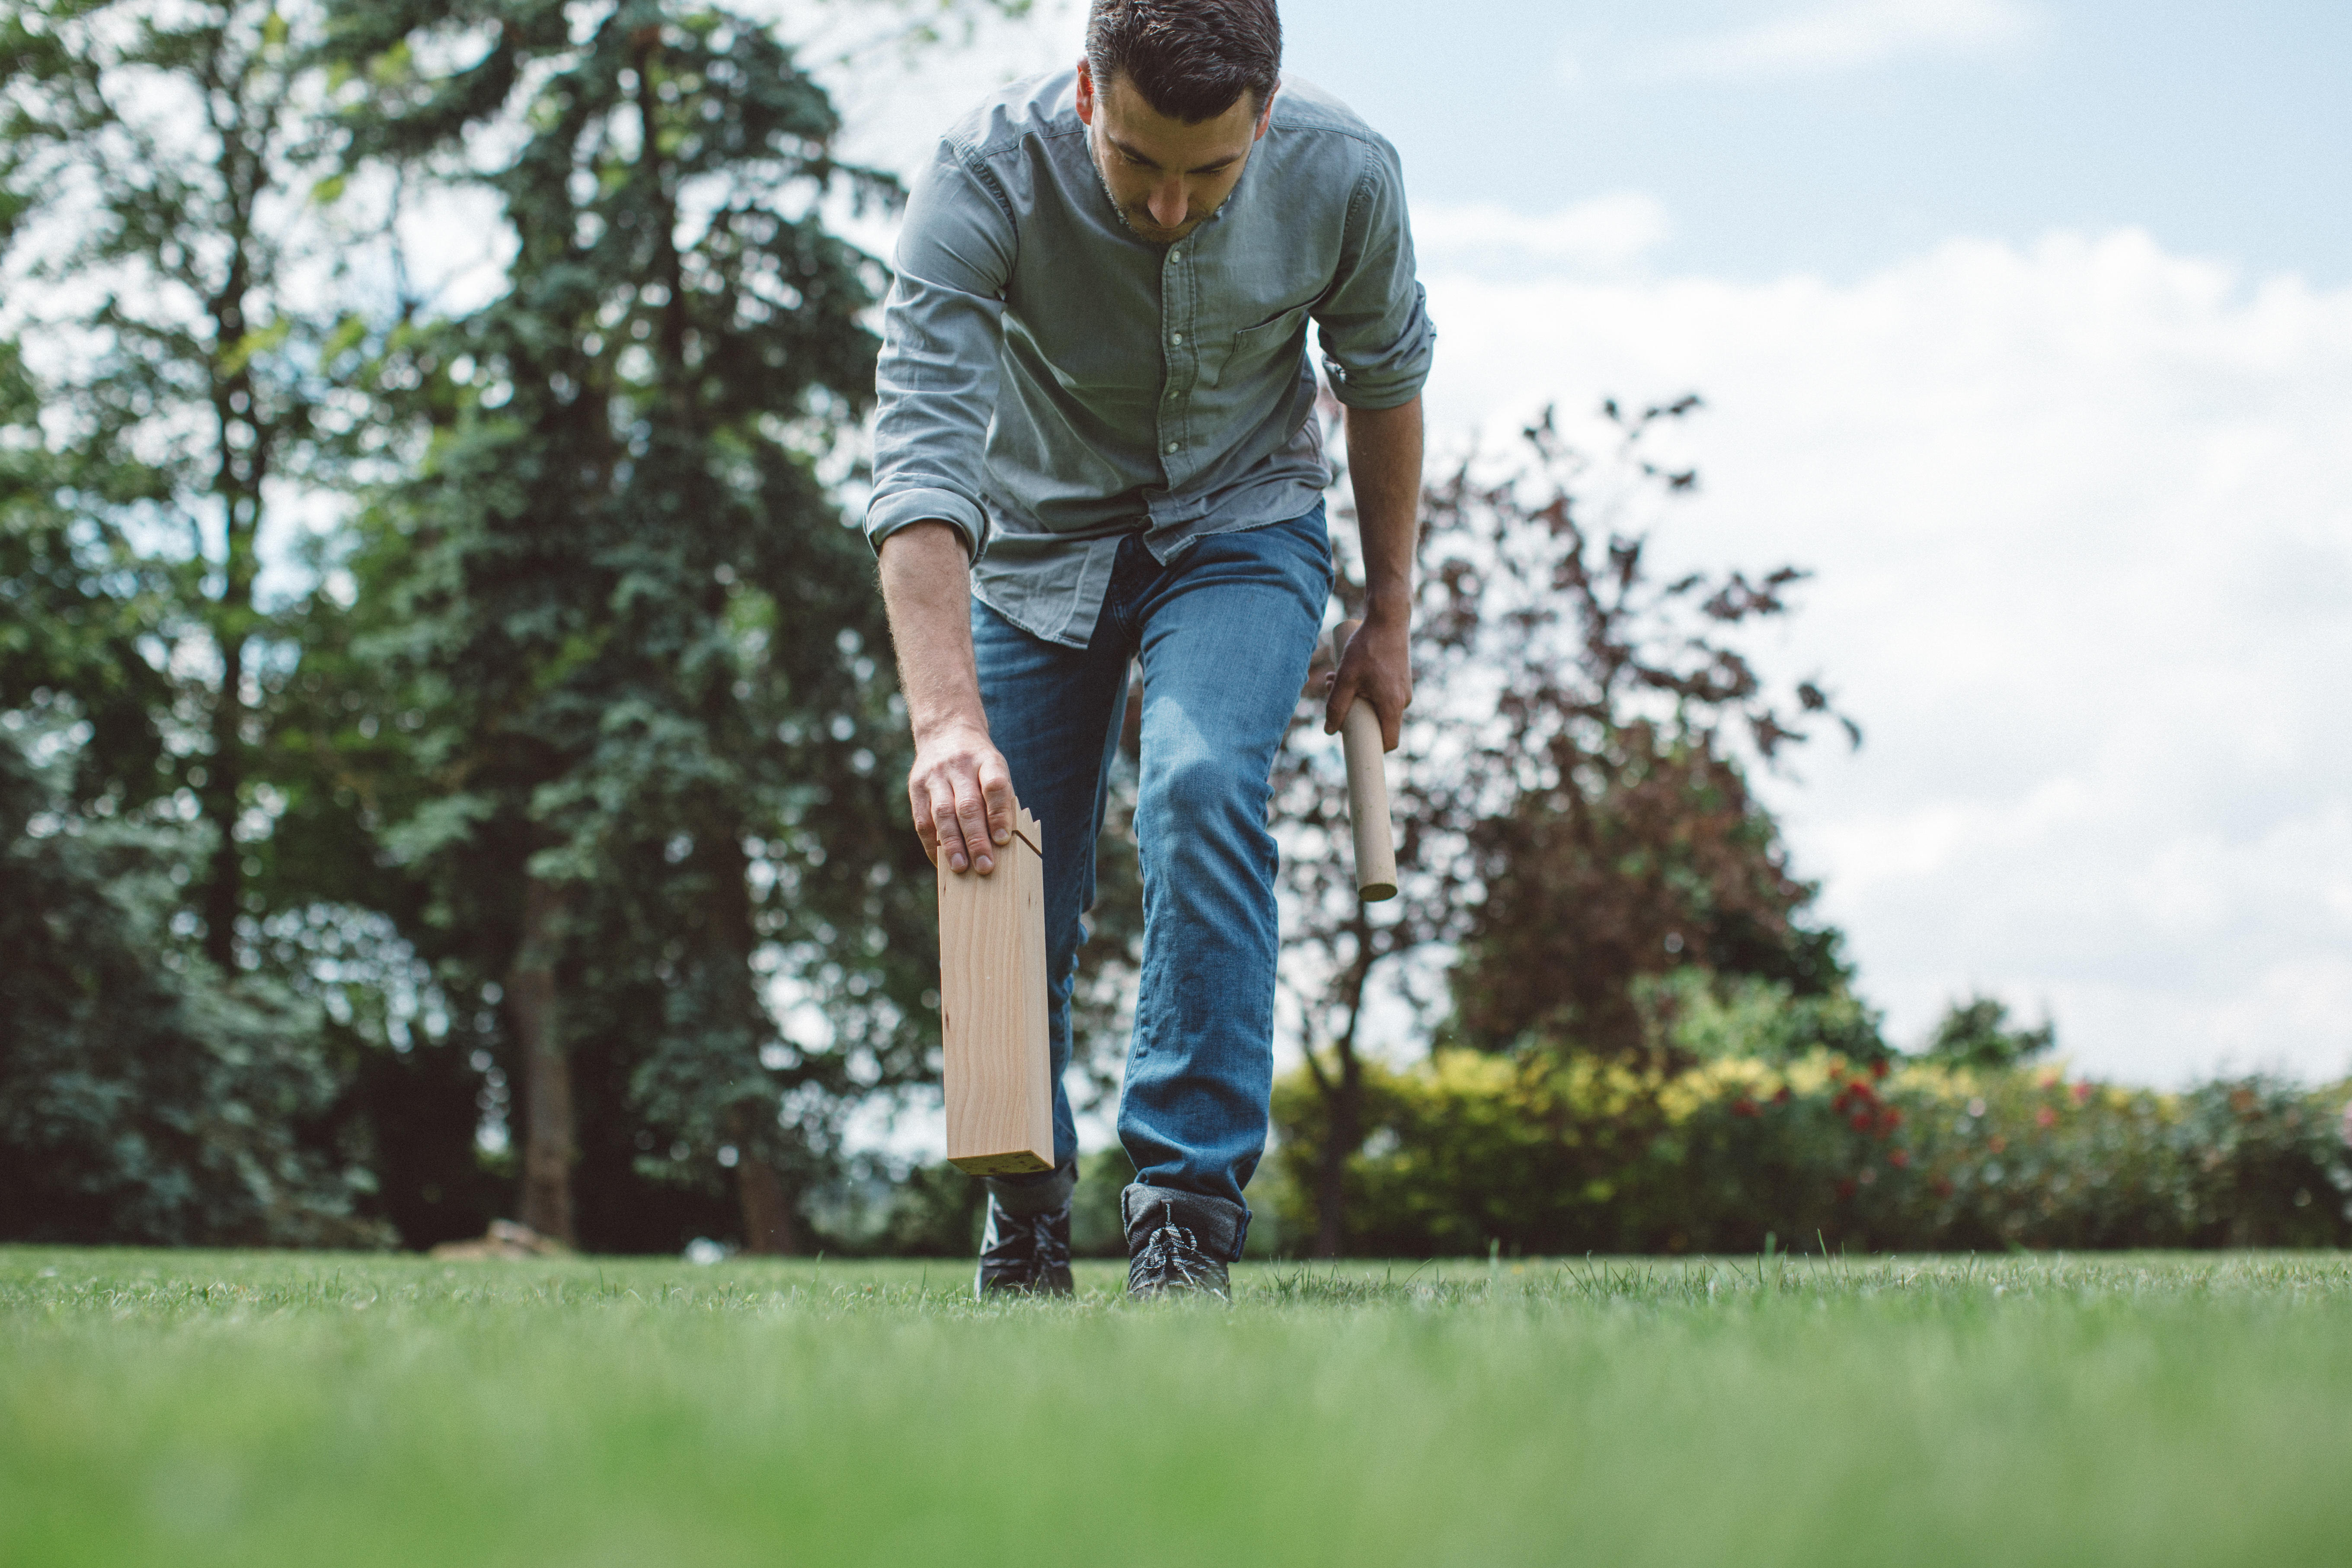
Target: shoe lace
{"x":1172,"y":1253}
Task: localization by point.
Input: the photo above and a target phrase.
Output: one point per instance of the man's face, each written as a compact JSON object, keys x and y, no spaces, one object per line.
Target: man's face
{"x":1165,"y":177}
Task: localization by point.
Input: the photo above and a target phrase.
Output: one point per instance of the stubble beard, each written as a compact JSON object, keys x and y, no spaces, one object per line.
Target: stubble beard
{"x":1126,"y":218}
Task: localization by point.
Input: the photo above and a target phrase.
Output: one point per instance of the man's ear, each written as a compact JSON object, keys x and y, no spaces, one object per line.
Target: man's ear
{"x":1265,"y":116}
{"x":1086,"y":94}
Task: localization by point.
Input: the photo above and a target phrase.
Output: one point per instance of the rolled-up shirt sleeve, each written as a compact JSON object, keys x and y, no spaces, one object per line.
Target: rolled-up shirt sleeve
{"x":942,"y":326}
{"x":1373,"y":322}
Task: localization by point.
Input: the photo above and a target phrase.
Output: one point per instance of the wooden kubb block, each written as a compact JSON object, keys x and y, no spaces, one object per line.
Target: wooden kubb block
{"x":992,"y":1011}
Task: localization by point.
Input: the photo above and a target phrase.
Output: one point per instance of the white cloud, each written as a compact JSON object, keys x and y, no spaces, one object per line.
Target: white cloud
{"x":1603,"y":234}
{"x":2082,"y":517}
{"x":1854,"y":35}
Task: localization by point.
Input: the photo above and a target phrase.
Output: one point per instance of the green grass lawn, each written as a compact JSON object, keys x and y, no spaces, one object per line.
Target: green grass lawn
{"x":249,"y":1409}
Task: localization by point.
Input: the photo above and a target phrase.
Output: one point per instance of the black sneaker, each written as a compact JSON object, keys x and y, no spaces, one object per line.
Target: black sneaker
{"x":1178,"y":1244}
{"x":1025,"y":1254}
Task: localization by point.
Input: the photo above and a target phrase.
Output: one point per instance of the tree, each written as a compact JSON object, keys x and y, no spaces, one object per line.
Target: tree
{"x":143,"y":1099}
{"x":167,"y":146}
{"x":1571,"y":814}
{"x":1976,"y":1033}
{"x":636,"y":625}
{"x":144,"y":1095}
{"x":156,"y":1086}
{"x":81,"y":608}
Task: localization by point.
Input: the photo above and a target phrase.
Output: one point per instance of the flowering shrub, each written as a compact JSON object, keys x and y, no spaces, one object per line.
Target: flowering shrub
{"x":1542,"y":1151}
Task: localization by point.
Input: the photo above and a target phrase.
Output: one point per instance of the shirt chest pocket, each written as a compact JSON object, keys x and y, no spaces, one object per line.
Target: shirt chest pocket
{"x":1272,"y":349}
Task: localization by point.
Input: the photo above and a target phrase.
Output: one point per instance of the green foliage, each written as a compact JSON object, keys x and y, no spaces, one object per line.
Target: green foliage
{"x":1975,"y":1034}
{"x":1647,"y":855}
{"x":639,"y":640}
{"x":76,"y":605}
{"x":596,"y":625}
{"x":192,"y":391}
{"x":930,"y":1211}
{"x":1552,"y":1151}
{"x":142,"y":1097}
{"x":1692,"y":1013}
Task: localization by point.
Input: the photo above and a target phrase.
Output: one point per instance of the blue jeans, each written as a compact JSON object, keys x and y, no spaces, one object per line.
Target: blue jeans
{"x":1224,"y":632}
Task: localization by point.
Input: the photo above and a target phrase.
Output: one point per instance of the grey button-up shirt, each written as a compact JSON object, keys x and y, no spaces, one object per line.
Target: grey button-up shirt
{"x":1050,"y":381}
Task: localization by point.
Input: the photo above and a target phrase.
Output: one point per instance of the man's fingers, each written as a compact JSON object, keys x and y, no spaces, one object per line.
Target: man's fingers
{"x":971,"y":818}
{"x":947,"y":830}
{"x":963,"y":806}
{"x":996,"y":799}
{"x":1342,"y":694}
{"x":918,"y":806}
{"x":1351,"y":686}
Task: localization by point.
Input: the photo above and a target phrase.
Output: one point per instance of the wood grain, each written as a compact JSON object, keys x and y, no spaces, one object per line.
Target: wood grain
{"x":1367,"y":788}
{"x":992,"y":1010}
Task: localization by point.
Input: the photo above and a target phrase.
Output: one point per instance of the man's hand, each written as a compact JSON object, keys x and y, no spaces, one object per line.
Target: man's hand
{"x":961,"y":797}
{"x":1385,"y":468}
{"x":1376,"y":667}
{"x":960,"y":791}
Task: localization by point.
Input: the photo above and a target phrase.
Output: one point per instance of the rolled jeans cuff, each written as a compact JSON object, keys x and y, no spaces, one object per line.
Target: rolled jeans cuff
{"x":1040,"y":1194}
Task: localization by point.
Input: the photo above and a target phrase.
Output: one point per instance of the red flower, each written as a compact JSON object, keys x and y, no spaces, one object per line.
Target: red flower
{"x":1783,"y":1098}
{"x":2082,"y":1094}
{"x":2046,"y":1117}
{"x":1847,"y":1188}
{"x":1941,"y":1187}
{"x":1900,"y":1159}
{"x":1893,"y":1118}
{"x":1878,"y":1068}
{"x":1743,"y":1106}
{"x":1860,"y":1121}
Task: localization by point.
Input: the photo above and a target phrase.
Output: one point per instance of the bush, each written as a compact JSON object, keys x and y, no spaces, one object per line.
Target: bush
{"x":144,"y":1098}
{"x":1549,"y":1152}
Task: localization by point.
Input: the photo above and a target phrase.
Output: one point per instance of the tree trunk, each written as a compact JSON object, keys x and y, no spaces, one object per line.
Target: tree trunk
{"x":550,"y":1144}
{"x":767,"y":1207}
{"x":1343,"y":1134}
{"x":733,"y":990}
{"x":223,"y":890}
{"x":1344,"y":1126}
{"x":242,"y":463}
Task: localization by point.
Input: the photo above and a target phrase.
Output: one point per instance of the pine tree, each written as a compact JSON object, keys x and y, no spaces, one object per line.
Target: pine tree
{"x":645,"y":639}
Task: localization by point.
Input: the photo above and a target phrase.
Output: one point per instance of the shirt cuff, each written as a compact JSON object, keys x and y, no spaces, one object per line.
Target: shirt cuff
{"x":1393,"y":377}
{"x":902,"y":508}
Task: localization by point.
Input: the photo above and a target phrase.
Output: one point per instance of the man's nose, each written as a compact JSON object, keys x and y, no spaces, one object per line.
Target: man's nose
{"x":1167,"y":203}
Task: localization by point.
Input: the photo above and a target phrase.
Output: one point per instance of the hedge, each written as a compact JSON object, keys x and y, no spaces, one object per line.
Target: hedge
{"x":1544,"y":1152}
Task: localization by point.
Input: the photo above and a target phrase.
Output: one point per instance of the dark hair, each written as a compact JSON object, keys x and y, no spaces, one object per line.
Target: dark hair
{"x":1189,"y":59}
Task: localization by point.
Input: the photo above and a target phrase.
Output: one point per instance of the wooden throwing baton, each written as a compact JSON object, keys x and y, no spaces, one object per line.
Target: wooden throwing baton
{"x":992,"y":1010}
{"x":1367,"y":787}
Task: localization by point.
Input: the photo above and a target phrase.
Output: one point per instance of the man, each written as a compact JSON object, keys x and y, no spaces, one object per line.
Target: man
{"x":1095,"y":446}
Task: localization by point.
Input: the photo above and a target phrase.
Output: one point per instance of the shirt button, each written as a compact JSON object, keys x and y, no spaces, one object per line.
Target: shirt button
{"x":1175,"y":256}
{"x":1176,"y":338}
{"x":1173,"y":445}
